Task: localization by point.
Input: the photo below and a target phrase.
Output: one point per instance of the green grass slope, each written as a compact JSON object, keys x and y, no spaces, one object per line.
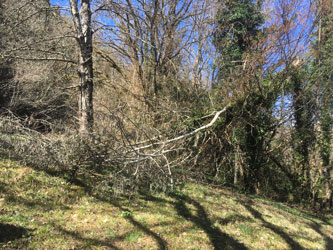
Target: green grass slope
{"x":39,"y":211}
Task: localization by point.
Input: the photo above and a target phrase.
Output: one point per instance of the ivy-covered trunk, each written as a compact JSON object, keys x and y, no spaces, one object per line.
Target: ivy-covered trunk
{"x":303,"y":134}
{"x":253,"y":152}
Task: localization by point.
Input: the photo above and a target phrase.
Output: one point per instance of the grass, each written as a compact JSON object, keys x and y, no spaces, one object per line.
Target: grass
{"x":39,"y":211}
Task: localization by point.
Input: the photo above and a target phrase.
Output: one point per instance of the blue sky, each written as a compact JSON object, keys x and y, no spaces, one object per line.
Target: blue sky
{"x":60,"y":2}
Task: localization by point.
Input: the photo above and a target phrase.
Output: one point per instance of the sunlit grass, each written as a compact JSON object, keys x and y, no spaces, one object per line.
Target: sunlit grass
{"x":46,"y":212}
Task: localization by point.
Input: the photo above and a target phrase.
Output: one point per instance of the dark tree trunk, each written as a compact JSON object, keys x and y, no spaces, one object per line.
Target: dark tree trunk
{"x":303,"y":135}
{"x":328,"y":187}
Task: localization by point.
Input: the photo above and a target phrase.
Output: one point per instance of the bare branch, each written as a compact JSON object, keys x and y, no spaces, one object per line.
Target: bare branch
{"x":217,"y":115}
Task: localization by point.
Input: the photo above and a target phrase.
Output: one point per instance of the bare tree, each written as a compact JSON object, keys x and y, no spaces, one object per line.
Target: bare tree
{"x":152,"y":37}
{"x":38,"y":32}
{"x":38,"y":49}
{"x":82,"y":24}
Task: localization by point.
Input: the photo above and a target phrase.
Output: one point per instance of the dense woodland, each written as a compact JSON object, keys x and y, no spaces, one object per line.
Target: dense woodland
{"x":124,"y":96}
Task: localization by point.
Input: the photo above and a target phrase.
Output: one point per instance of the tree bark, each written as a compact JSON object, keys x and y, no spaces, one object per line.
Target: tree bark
{"x":328,"y":187}
{"x":82,"y":26}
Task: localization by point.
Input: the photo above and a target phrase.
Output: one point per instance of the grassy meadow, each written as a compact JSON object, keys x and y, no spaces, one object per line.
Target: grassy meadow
{"x":40,"y":211}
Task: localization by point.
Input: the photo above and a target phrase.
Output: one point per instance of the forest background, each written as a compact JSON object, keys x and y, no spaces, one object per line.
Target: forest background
{"x":129,"y":95}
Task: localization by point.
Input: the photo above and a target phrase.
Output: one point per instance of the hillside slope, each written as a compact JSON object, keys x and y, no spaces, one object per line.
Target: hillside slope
{"x":39,"y":211}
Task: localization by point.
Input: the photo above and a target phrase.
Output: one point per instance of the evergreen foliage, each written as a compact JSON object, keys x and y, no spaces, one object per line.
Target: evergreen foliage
{"x":323,"y":74}
{"x":322,"y":78}
{"x":237,"y":27}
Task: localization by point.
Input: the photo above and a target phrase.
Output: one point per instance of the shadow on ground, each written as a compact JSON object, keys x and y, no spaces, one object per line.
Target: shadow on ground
{"x":162,"y":244}
{"x":290,"y":241}
{"x":317,"y":227}
{"x":181,"y":203}
{"x":85,"y":240}
{"x":217,"y":238}
{"x":11,"y":233}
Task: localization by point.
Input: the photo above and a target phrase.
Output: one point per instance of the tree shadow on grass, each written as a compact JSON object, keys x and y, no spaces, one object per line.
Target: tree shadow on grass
{"x":162,"y":244}
{"x":13,"y":198}
{"x":290,"y":241}
{"x":11,"y":233}
{"x":42,"y":205}
{"x":90,"y":241}
{"x":234,"y":218}
{"x":218,"y":239}
{"x":317,"y":227}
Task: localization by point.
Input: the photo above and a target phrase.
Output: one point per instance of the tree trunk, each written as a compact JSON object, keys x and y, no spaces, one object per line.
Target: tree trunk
{"x":238,"y":167}
{"x":328,"y":187}
{"x":86,"y":115}
{"x":82,"y":25}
